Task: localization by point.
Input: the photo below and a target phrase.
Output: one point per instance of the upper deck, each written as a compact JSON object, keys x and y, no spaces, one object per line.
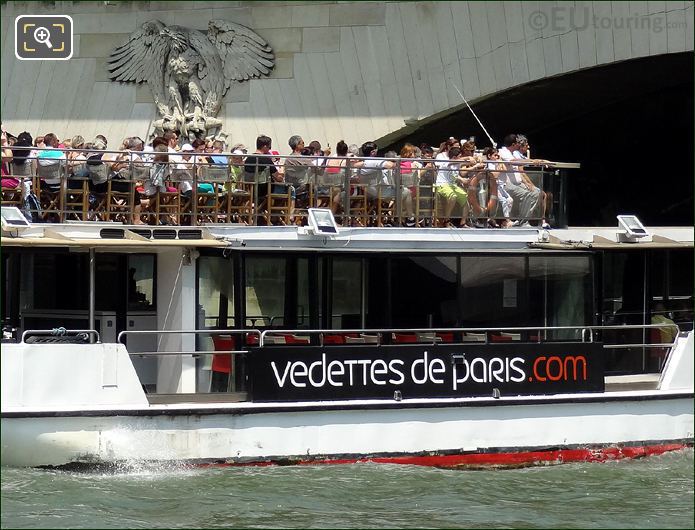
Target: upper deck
{"x":189,"y":189}
{"x":109,"y":236}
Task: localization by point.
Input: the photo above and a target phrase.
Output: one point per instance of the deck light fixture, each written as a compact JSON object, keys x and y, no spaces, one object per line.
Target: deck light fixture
{"x":322,"y":222}
{"x":13,"y":218}
{"x":632,"y":227}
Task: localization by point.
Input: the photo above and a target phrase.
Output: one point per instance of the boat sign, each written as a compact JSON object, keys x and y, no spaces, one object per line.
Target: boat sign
{"x":291,"y":373}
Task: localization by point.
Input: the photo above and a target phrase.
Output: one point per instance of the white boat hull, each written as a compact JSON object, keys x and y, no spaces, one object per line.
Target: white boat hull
{"x":249,"y":435}
{"x":86,"y":406}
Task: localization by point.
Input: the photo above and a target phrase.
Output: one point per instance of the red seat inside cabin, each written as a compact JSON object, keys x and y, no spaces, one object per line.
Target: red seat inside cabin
{"x":446,"y":337}
{"x":333,"y":339}
{"x":223,"y":362}
{"x":294,"y":339}
{"x":404,"y":337}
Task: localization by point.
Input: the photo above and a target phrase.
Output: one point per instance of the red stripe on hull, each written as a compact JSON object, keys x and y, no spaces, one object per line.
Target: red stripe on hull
{"x":474,"y":460}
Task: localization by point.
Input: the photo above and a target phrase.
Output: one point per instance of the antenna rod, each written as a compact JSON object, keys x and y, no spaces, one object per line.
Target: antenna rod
{"x":494,"y":144}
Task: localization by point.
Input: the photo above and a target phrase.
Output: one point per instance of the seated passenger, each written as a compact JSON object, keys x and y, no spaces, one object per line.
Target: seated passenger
{"x":523,"y":191}
{"x":236,"y":169}
{"x":374,"y":173}
{"x":334,"y":176}
{"x":453,"y":189}
{"x":260,"y":168}
{"x":215,"y":157}
{"x":297,"y":169}
{"x":159,"y":172}
{"x":125,"y":167}
{"x":523,"y":152}
{"x":49,"y":162}
{"x":23,"y":164}
{"x":183,"y":171}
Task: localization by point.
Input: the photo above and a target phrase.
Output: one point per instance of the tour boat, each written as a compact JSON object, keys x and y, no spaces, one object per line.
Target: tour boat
{"x":231,"y":345}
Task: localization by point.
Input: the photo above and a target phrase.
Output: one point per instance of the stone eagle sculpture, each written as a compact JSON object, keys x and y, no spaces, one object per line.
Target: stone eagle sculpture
{"x":190,"y":71}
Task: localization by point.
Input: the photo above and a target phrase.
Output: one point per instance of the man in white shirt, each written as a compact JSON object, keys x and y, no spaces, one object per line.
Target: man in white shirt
{"x":172,"y":143}
{"x":519,"y":186}
{"x":183,"y":171}
{"x":523,"y":153}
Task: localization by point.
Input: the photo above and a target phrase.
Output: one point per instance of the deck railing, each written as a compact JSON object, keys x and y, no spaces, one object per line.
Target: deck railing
{"x":122,"y":186}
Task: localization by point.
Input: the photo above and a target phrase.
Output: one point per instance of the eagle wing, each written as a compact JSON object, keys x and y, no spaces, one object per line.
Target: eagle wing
{"x":142,"y":58}
{"x":244,"y":53}
{"x":210,"y":71}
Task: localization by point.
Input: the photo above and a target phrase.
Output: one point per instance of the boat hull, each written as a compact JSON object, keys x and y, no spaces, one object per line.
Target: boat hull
{"x":467,"y":433}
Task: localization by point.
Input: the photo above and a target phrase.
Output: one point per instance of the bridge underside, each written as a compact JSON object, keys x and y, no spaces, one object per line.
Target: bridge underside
{"x":629,"y":124}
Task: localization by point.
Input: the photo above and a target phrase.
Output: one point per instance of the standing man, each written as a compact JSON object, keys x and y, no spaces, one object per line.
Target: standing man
{"x":519,"y":186}
{"x":524,"y":153}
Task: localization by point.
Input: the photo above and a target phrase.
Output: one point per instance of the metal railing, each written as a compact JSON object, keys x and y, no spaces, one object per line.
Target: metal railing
{"x":484,"y":335}
{"x":61,"y":332}
{"x":125,"y":334}
{"x":360,"y":192}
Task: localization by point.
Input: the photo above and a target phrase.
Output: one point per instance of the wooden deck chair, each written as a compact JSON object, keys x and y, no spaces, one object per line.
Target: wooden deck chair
{"x":77,"y":199}
{"x":49,"y":190}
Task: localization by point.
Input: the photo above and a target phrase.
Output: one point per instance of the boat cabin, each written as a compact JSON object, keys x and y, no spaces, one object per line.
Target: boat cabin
{"x":196,"y":306}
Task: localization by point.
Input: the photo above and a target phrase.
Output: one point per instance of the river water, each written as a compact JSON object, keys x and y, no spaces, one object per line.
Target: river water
{"x":655,"y":492}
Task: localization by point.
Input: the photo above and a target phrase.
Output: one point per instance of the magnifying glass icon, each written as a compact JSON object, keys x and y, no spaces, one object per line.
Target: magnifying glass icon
{"x":43,"y":36}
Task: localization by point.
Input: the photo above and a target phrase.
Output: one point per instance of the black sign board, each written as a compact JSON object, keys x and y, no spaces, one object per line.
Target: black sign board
{"x":300,"y":373}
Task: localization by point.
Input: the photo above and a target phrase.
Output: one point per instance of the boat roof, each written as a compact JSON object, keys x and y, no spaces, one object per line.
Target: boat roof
{"x":107,"y":237}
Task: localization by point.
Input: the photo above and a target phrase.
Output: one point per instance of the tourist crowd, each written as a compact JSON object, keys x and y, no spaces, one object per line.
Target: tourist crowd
{"x":459,"y":185}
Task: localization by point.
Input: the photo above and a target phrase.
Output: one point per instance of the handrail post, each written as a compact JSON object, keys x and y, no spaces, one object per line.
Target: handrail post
{"x":398,"y":195}
{"x":346,"y":193}
{"x":92,"y":284}
{"x":194,"y":195}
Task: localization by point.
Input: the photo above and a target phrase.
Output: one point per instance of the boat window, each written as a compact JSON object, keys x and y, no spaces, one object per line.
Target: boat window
{"x":215,"y":293}
{"x":265,"y":291}
{"x":305,"y":307}
{"x":671,"y":286}
{"x":11,"y":268}
{"x":141,"y":284}
{"x":560,"y":291}
{"x":493,"y":291}
{"x":346,"y":293}
{"x":423,"y":291}
{"x":60,"y":281}
{"x":623,"y":287}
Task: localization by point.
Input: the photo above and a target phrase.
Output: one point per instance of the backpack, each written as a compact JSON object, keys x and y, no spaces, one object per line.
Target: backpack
{"x":32,"y":208}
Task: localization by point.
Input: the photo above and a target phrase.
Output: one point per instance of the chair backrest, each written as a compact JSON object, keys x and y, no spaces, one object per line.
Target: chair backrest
{"x":50,"y":172}
{"x":22,"y":169}
{"x":98,"y":173}
{"x":140,"y":172}
{"x":214,"y":173}
{"x":80,"y":169}
{"x":177,"y":175}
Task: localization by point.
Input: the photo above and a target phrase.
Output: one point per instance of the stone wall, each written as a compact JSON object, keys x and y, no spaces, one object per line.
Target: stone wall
{"x":345,"y":70}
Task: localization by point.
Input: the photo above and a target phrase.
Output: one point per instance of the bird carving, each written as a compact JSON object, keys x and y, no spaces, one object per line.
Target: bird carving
{"x":189,"y":71}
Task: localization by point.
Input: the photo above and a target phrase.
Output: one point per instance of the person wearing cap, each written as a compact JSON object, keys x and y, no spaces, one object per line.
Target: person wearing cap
{"x":236,"y":168}
{"x":183,"y":170}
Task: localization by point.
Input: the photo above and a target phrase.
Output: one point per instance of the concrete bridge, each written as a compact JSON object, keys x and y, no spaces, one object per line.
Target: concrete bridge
{"x":344,"y":70}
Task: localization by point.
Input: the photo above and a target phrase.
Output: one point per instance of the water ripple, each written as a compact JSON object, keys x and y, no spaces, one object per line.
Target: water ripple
{"x":655,"y":492}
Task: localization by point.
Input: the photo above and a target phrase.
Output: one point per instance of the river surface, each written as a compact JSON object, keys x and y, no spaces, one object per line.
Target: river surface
{"x":655,"y":492}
